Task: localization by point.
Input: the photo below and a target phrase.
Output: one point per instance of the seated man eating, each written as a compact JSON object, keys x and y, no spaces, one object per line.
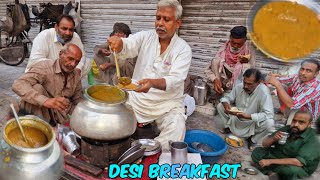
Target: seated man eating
{"x":253,"y":118}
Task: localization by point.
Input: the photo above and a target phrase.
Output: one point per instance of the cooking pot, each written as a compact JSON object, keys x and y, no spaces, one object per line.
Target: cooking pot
{"x":17,"y":162}
{"x":103,"y":120}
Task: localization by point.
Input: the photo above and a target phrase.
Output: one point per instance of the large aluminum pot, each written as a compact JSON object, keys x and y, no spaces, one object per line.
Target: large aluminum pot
{"x":18,"y":163}
{"x":102,"y":120}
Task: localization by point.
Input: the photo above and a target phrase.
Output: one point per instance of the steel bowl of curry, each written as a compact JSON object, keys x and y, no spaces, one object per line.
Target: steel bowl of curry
{"x":39,"y":134}
{"x":103,"y":93}
{"x":285,"y":30}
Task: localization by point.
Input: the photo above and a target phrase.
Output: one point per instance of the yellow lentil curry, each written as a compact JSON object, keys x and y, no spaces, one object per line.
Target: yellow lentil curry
{"x":128,"y":87}
{"x":35,"y":137}
{"x":108,"y":94}
{"x":286,"y":30}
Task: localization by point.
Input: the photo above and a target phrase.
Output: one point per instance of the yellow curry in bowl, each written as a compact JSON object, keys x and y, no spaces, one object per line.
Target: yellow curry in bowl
{"x":286,"y":30}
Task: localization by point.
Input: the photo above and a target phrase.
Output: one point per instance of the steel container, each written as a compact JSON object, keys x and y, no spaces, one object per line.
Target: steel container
{"x":18,"y":163}
{"x":200,"y":92}
{"x":102,"y":120}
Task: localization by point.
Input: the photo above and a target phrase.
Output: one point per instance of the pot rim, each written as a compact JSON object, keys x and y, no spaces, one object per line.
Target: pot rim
{"x":30,"y":150}
{"x":104,"y":103}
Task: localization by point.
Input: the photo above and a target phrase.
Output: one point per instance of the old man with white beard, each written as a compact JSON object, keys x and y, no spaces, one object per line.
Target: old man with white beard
{"x":162,"y":66}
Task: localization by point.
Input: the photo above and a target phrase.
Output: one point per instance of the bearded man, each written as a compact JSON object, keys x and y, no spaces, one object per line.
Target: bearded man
{"x":297,"y":158}
{"x":48,"y":43}
{"x":231,"y":61}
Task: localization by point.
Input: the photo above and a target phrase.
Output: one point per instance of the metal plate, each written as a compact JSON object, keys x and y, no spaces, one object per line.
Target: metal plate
{"x":151,"y":146}
{"x":250,"y":171}
{"x":132,"y":157}
{"x":314,"y":6}
{"x":238,"y":142}
{"x":135,"y":82}
{"x":129,"y":151}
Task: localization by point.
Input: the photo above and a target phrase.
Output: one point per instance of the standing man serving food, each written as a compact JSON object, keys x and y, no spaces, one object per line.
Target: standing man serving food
{"x":162,"y":66}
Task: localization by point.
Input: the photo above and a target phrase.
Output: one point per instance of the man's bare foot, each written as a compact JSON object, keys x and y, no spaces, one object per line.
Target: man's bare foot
{"x":251,"y":145}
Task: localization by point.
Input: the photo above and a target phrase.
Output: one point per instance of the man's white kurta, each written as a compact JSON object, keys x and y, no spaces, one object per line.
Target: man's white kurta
{"x":172,"y":65}
{"x":46,"y":46}
{"x":258,"y":104}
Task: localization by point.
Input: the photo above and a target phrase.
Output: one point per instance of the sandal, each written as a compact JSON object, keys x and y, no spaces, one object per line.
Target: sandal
{"x":225,"y":131}
{"x":251,"y":145}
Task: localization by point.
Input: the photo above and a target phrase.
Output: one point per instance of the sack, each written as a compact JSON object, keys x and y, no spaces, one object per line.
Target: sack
{"x":19,"y":20}
{"x":25,"y":10}
{"x":52,"y":12}
{"x":6,"y":24}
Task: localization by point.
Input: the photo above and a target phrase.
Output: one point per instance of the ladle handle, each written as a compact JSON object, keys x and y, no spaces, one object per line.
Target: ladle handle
{"x":18,"y":122}
{"x":116,"y":62}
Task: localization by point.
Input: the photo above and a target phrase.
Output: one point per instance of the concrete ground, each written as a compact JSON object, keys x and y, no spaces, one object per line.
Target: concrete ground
{"x":198,"y":120}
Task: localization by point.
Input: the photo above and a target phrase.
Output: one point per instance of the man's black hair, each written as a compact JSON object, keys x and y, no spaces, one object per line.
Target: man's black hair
{"x":313,"y":61}
{"x":238,"y":32}
{"x":121,"y":27}
{"x":253,"y":72}
{"x":65,"y":16}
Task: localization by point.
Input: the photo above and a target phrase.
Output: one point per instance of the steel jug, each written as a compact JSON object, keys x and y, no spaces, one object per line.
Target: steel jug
{"x":200,"y":92}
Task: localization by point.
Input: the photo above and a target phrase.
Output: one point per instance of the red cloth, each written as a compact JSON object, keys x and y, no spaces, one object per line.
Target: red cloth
{"x":147,"y":161}
{"x":283,"y":106}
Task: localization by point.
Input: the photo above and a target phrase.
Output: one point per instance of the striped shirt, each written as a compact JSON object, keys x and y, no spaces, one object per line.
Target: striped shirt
{"x":305,"y":95}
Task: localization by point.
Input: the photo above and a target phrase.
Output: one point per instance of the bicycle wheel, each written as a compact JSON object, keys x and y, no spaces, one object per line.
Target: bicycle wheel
{"x":14,"y":55}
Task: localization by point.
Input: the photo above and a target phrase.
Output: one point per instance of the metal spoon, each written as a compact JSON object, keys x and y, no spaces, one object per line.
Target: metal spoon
{"x":122,"y":80}
{"x":19,"y":124}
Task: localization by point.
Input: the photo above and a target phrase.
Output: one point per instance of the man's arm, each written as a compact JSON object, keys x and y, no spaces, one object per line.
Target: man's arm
{"x":270,"y":140}
{"x":282,"y":94}
{"x":212,"y":72}
{"x":146,"y":84}
{"x":23,"y":86}
{"x":284,"y":161}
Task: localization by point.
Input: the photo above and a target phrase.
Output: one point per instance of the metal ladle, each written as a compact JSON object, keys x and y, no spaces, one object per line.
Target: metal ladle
{"x":19,"y":124}
{"x":122,"y":80}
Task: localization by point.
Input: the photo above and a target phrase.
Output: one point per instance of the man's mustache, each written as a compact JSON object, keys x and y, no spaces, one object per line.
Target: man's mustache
{"x":161,"y":29}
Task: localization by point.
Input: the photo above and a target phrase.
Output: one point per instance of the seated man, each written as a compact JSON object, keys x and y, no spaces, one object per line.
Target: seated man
{"x":297,"y":158}
{"x":51,"y":89}
{"x":162,"y":66}
{"x":105,"y":61}
{"x":254,"y":118}
{"x":48,"y":43}
{"x":305,"y":88}
{"x":231,"y":60}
